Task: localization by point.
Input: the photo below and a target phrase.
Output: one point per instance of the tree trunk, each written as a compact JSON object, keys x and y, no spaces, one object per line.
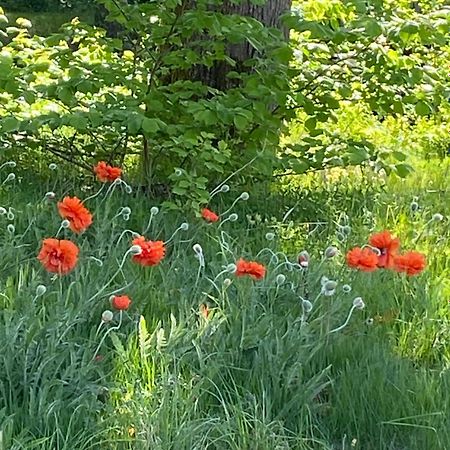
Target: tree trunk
{"x":268,"y":14}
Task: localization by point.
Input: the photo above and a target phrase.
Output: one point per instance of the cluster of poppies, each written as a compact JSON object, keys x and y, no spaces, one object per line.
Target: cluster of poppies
{"x":382,"y":253}
{"x":60,"y":256}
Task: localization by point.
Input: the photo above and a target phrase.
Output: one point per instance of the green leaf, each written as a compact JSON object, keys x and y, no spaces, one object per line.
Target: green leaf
{"x":422,"y":108}
{"x":403,"y":170}
{"x":9,"y":124}
{"x":150,"y":126}
{"x":240,"y":122}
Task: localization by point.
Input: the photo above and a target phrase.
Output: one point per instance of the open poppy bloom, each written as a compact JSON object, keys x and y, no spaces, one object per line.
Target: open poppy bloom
{"x":363,"y":259}
{"x":58,"y":256}
{"x":253,"y":269}
{"x":152,"y":252}
{"x":105,"y":172}
{"x":120,"y":302}
{"x":72,"y":209}
{"x":388,"y":246}
{"x":209,"y":215}
{"x":412,"y":263}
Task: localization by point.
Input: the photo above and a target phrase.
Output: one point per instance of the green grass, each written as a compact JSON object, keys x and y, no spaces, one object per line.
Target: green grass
{"x":253,"y":375}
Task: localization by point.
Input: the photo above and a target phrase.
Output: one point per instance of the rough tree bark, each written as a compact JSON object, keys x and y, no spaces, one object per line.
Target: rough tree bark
{"x":268,"y":14}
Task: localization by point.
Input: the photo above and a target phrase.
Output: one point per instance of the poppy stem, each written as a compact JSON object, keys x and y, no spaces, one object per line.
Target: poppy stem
{"x":107,"y":332}
{"x":346,"y":321}
{"x":94,"y":195}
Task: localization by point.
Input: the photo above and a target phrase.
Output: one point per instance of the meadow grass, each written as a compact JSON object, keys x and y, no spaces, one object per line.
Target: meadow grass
{"x":259,"y":371}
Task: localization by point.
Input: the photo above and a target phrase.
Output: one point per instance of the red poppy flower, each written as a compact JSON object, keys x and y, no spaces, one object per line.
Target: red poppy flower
{"x":105,"y":172}
{"x":388,"y":246}
{"x":412,"y":263}
{"x":120,"y":302}
{"x":72,"y":209}
{"x":152,"y":252}
{"x":209,"y":216}
{"x":255,"y":270}
{"x":58,"y":256}
{"x":363,"y":259}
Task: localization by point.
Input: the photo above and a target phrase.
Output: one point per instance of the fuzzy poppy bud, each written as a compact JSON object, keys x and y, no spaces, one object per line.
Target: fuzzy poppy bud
{"x":10,"y":215}
{"x":52,"y":166}
{"x":227,"y":282}
{"x":280,"y":279}
{"x":303,"y":258}
{"x":136,"y":250}
{"x":330,"y":285}
{"x":358,"y":303}
{"x":11,"y":228}
{"x":126,"y":210}
{"x":50,"y":195}
{"x":270,"y":236}
{"x":231,"y":268}
{"x":233,"y":217}
{"x":65,"y":223}
{"x":225,"y":188}
{"x":414,"y":206}
{"x":330,"y":252}
{"x":178,"y":172}
{"x":346,"y":288}
{"x":197,"y":249}
{"x":245,"y":196}
{"x":11,"y":176}
{"x":307,"y":306}
{"x":2,"y":211}
{"x":437,"y":217}
{"x":154,"y":210}
{"x":40,"y":290}
{"x":346,"y":229}
{"x":128,"y":189}
{"x":107,"y":316}
{"x":126,"y":217}
{"x":184,"y":226}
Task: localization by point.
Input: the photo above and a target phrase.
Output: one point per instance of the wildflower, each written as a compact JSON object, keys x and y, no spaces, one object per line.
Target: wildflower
{"x":303,"y":258}
{"x":363,"y":259}
{"x":412,"y":263}
{"x":72,"y":209}
{"x":204,"y":310}
{"x":58,"y":256}
{"x":105,"y":172}
{"x":387,"y":245}
{"x":253,"y":269}
{"x":152,"y":252}
{"x":107,"y":316}
{"x":209,"y":216}
{"x":120,"y":302}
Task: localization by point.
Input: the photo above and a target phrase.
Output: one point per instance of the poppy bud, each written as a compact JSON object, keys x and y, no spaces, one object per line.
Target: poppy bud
{"x":330,"y":252}
{"x":11,"y":228}
{"x":126,"y":217}
{"x":330,"y":285}
{"x":225,"y":188}
{"x":136,"y":250}
{"x":231,"y":268}
{"x":346,"y":288}
{"x":414,"y":206}
{"x":437,"y":217}
{"x":126,"y":210}
{"x":11,"y":164}
{"x":369,"y":321}
{"x":245,"y":196}
{"x":227,"y":282}
{"x":128,"y":189}
{"x":107,"y":316}
{"x":270,"y":236}
{"x":11,"y":176}
{"x":346,"y":229}
{"x":2,"y":211}
{"x":154,"y":210}
{"x":233,"y":217}
{"x":280,"y":279}
{"x":197,"y":249}
{"x":50,"y":195}
{"x":52,"y":166}
{"x":10,"y":215}
{"x":65,"y":223}
{"x":358,"y":303}
{"x":307,"y":306}
{"x":40,"y":290}
{"x":184,"y":226}
{"x":178,"y":172}
{"x":323,"y":280}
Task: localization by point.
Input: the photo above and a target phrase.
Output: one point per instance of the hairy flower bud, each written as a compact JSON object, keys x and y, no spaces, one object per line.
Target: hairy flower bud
{"x":307,"y":306}
{"x":11,"y":228}
{"x":135,"y":250}
{"x":414,"y":206}
{"x":233,"y":217}
{"x":126,"y":210}
{"x":52,"y":166}
{"x":280,"y":279}
{"x":358,"y":303}
{"x":197,"y":249}
{"x":437,"y":217}
{"x":270,"y":236}
{"x":346,"y":288}
{"x":65,"y":223}
{"x":40,"y":290}
{"x":227,"y":282}
{"x":245,"y":196}
{"x":154,"y":210}
{"x":225,"y":188}
{"x":303,"y":258}
{"x":231,"y":268}
{"x":184,"y":226}
{"x":330,"y":285}
{"x":50,"y":196}
{"x":330,"y":252}
{"x":107,"y":316}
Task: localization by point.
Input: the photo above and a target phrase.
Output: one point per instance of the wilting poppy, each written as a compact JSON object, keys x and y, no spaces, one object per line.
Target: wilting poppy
{"x":72,"y":209}
{"x":152,"y":252}
{"x":387,"y":245}
{"x":209,"y":215}
{"x":412,"y":263}
{"x":120,"y":302}
{"x":363,"y":259}
{"x":58,"y":256}
{"x":251,"y":268}
{"x":105,"y":172}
